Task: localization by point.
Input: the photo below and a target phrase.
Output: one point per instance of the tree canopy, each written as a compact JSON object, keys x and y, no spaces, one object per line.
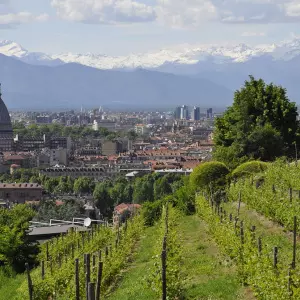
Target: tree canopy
{"x":15,"y":248}
{"x":261,"y":124}
{"x":249,"y":168}
{"x":209,"y":175}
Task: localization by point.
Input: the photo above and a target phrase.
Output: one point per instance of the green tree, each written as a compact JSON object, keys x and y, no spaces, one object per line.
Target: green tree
{"x":65,"y":185}
{"x":83,"y":185}
{"x":50,"y":184}
{"x":119,"y":193}
{"x":67,"y":211}
{"x":15,"y":248}
{"x":162,"y":187}
{"x":261,"y":124}
{"x":209,"y":175}
{"x":103,"y":198}
{"x":143,"y":189}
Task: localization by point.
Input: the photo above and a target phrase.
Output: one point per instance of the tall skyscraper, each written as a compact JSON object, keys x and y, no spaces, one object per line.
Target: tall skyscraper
{"x":209,"y":113}
{"x":196,"y":113}
{"x":177,"y":113}
{"x":184,"y":112}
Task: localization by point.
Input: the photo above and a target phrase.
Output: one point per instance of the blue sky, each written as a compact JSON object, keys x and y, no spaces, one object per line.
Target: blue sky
{"x":121,"y":27}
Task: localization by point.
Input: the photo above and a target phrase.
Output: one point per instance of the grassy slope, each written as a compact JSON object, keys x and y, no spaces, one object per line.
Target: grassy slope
{"x":8,"y":286}
{"x":209,"y":275}
{"x":132,"y":285}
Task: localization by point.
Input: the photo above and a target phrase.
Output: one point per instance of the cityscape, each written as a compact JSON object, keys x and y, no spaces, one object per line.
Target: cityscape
{"x":149,"y":150}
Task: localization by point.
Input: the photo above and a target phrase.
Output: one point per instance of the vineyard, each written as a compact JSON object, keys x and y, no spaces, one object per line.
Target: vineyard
{"x":266,"y":255}
{"x":81,"y":264}
{"x":240,"y":244}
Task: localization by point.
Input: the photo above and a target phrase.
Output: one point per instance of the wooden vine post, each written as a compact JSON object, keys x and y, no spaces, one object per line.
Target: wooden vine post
{"x":253,"y":228}
{"x":91,"y":291}
{"x":239,"y":205}
{"x":43,"y":270}
{"x":88,"y":272}
{"x":99,"y":279}
{"x":30,"y":287}
{"x":164,"y":268}
{"x":259,"y":246}
{"x":77,"y":288}
{"x":47,"y":251}
{"x":275,"y":257}
{"x":294,"y":243}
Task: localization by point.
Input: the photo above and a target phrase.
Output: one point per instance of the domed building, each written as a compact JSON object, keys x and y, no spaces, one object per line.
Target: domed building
{"x":6,"y":131}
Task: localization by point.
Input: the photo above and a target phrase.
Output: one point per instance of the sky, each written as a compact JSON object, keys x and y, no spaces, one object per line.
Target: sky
{"x":121,"y":27}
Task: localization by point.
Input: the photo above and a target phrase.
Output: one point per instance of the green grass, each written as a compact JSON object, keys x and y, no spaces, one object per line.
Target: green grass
{"x":272,"y":234}
{"x":132,"y":285}
{"x":9,"y":286}
{"x":209,"y":274}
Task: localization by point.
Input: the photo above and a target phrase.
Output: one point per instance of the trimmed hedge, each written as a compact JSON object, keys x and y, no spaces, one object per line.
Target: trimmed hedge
{"x":212,"y":173}
{"x":249,"y":168}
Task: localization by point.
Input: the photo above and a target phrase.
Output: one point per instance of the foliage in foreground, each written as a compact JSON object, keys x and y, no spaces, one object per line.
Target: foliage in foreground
{"x":15,"y":248}
{"x":169,"y":228}
{"x":255,"y":267}
{"x":273,"y":197}
{"x":60,"y":269}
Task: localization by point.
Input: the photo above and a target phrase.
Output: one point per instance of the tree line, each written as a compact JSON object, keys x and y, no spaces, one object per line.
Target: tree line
{"x":75,"y":132}
{"x":106,"y":194}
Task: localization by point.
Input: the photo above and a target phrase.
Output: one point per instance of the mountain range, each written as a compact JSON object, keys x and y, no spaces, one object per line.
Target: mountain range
{"x":203,"y":75}
{"x":71,"y":85}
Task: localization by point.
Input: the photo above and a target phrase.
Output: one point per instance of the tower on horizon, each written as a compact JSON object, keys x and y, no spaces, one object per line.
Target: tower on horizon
{"x":6,"y":131}
{"x":195,"y":113}
{"x":184,"y":112}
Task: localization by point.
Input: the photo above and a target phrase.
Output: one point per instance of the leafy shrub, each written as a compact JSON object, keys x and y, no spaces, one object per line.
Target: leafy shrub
{"x":209,"y":174}
{"x":249,"y":168}
{"x":152,"y":211}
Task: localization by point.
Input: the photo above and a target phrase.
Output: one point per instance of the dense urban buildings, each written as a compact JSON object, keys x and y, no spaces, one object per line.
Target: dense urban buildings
{"x":100,"y":144}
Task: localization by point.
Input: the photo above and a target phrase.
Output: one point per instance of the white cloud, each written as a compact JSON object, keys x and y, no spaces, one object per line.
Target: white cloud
{"x":258,"y":11}
{"x":10,"y":18}
{"x":20,"y":18}
{"x":178,"y":13}
{"x":292,"y":9}
{"x":104,"y":11}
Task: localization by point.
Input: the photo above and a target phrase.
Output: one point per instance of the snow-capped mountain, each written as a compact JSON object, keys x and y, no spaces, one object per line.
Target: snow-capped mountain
{"x":214,"y":72}
{"x":10,"y":48}
{"x":181,"y":55}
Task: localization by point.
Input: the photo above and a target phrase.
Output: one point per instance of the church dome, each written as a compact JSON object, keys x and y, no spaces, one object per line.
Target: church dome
{"x":6,"y":131}
{"x":4,"y":115}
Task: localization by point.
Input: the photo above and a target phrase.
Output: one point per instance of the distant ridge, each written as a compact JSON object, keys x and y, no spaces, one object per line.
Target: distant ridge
{"x":27,"y":86}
